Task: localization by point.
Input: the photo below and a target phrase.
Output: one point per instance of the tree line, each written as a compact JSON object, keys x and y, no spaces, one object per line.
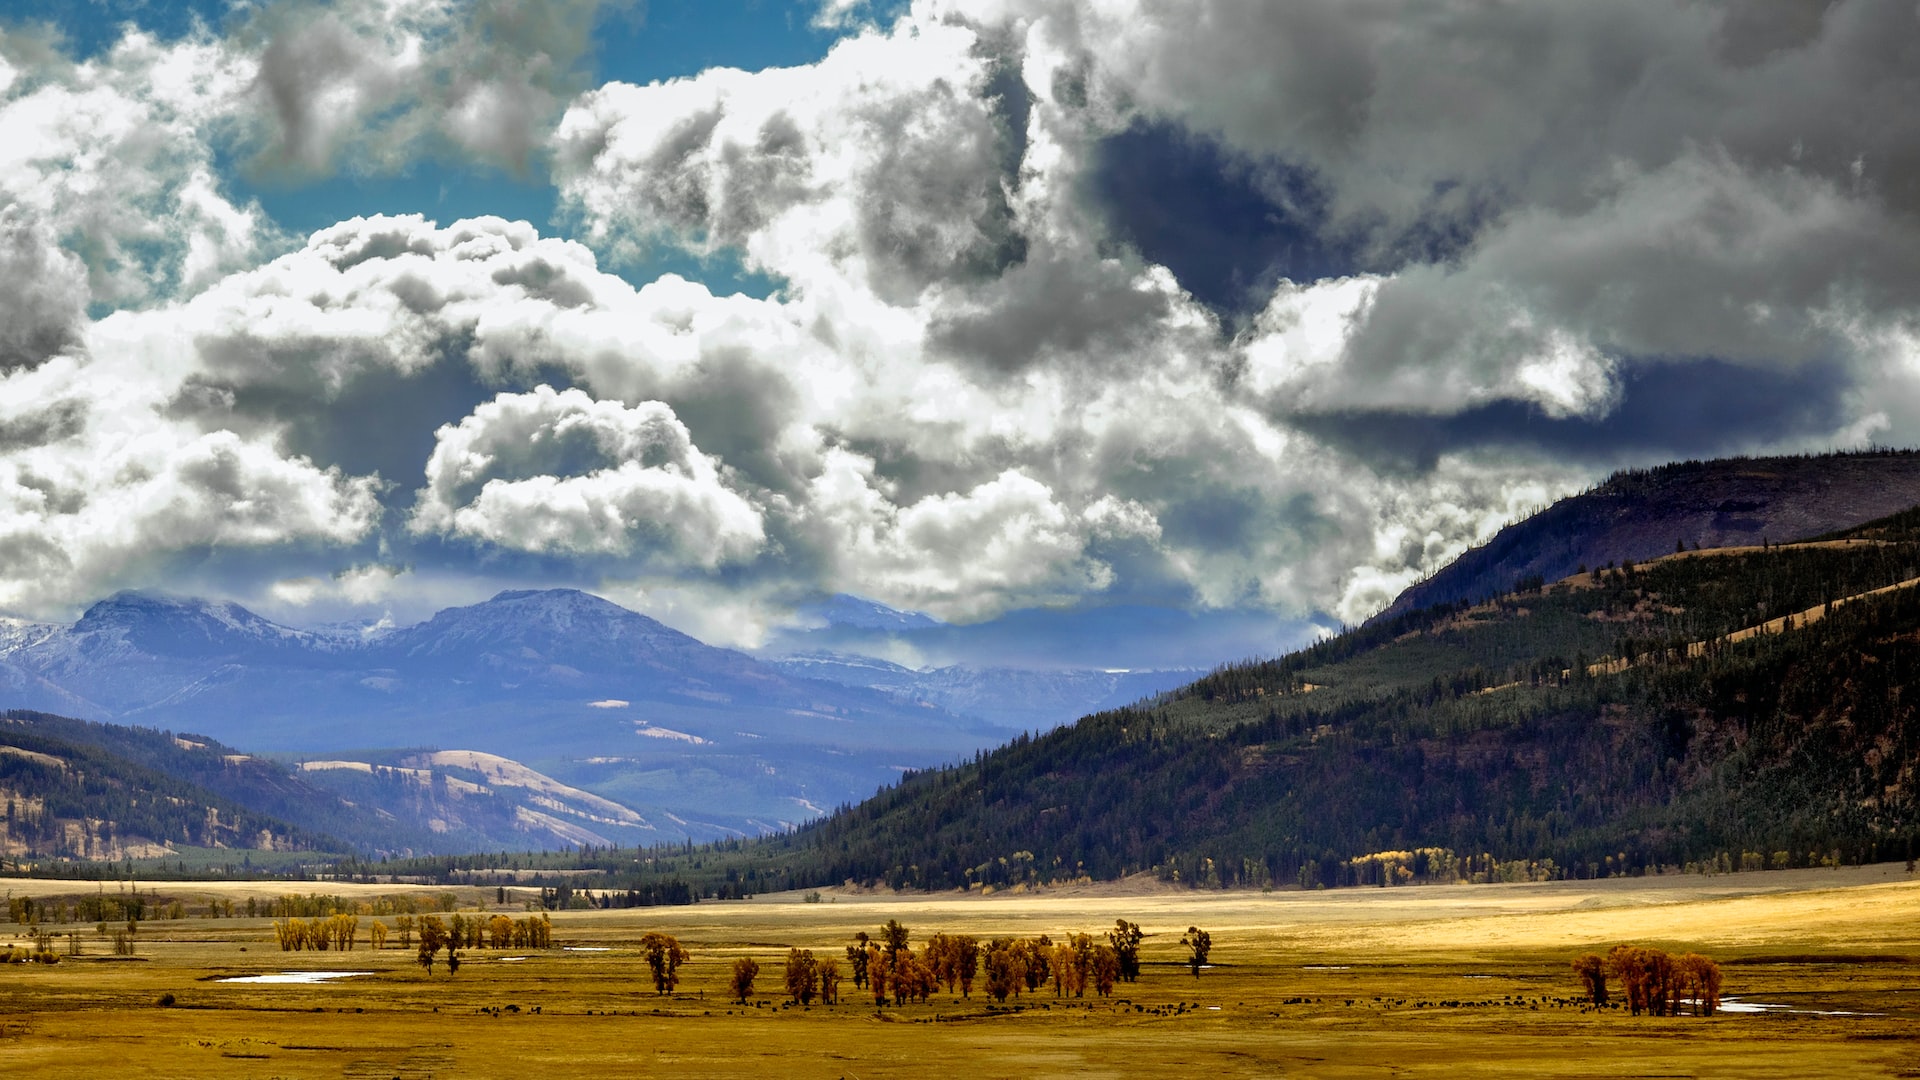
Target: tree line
{"x":886,"y":965}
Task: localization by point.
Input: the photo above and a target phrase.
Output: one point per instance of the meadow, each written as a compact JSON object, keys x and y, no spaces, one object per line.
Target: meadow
{"x":1458,"y":980}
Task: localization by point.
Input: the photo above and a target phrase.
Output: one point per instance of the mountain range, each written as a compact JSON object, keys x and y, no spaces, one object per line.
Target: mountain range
{"x":698,"y":741}
{"x":572,"y":685}
{"x":1715,"y":699}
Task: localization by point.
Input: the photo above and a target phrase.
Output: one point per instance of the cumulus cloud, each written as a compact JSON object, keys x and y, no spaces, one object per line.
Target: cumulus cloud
{"x":104,"y":491}
{"x":561,"y":472}
{"x":887,"y":162}
{"x":113,"y":160}
{"x":43,"y":299}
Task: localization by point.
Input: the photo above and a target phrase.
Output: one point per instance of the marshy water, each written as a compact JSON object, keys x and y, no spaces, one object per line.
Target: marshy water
{"x":304,"y":978}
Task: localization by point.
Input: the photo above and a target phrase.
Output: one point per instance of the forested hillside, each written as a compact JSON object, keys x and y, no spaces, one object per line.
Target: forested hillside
{"x":1727,"y":708}
{"x":74,"y":790}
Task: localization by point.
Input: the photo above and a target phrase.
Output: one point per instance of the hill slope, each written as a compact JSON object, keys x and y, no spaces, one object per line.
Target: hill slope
{"x":1643,"y":514}
{"x":80,"y":790}
{"x":1726,"y":707}
{"x":89,"y":791}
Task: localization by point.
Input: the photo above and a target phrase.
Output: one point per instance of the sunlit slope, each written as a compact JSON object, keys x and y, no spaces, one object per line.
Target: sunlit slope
{"x":1641,"y":514}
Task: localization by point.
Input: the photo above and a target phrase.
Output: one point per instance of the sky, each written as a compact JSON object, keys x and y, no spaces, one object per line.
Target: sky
{"x":1194,"y":327}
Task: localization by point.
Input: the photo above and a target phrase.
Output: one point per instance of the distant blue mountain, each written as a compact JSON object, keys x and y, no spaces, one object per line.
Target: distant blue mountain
{"x":1017,"y":699}
{"x":1133,"y":636}
{"x":853,"y":612}
{"x":577,"y":687}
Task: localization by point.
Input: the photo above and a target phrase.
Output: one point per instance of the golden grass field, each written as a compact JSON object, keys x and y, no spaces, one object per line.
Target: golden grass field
{"x":1412,"y":982}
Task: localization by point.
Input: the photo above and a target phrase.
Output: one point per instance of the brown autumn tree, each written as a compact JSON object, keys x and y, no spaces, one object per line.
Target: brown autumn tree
{"x":1699,"y":980}
{"x":1005,"y":968}
{"x":745,"y":970}
{"x":664,"y":955}
{"x":1646,"y":978}
{"x":1592,"y":971}
{"x":876,"y":968}
{"x":803,"y":975}
{"x":1065,"y":975}
{"x":829,"y":981}
{"x":1199,"y":944}
{"x":967,"y":958}
{"x":1106,"y":969}
{"x":1033,"y":954}
{"x":942,"y":956}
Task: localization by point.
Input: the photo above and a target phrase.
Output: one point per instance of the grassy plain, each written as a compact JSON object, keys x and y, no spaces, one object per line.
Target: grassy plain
{"x":1413,"y":982}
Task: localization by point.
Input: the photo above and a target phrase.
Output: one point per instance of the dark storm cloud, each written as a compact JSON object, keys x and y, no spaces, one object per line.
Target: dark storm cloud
{"x":43,"y":294}
{"x":381,"y":421}
{"x":51,"y":423}
{"x":1191,"y":205}
{"x":1667,"y":410}
{"x":1054,"y":310}
{"x":1542,"y":187}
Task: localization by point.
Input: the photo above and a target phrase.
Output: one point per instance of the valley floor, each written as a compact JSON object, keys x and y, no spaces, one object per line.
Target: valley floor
{"x":1416,"y":982}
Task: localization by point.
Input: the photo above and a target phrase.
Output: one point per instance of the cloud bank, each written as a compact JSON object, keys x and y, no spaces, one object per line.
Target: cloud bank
{"x":1211,"y":305}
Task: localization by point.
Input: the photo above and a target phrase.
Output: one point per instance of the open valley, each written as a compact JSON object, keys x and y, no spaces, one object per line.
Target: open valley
{"x":1822,"y":978}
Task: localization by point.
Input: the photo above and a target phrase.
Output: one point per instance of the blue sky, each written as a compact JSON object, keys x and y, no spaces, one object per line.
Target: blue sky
{"x":1190,"y":333}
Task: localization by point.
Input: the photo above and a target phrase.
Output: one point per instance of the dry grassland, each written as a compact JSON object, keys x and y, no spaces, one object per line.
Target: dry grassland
{"x":1420,"y":982}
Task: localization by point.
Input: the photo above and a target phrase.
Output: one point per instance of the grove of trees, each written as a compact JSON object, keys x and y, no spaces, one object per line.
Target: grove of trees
{"x":1653,"y":981}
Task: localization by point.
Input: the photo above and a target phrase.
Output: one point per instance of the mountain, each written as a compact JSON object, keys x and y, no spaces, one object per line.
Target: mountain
{"x":1642,"y":514}
{"x":1017,"y":699}
{"x":1734,"y":707}
{"x":858,"y":613}
{"x":698,"y":740}
{"x":1083,"y":638}
{"x":846,"y":635}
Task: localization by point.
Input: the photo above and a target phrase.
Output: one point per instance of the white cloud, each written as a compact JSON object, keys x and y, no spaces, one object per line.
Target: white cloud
{"x":114,"y":158}
{"x":970,"y":392}
{"x":561,"y":472}
{"x":957,"y":554}
{"x":881,"y":168}
{"x":101,"y":490}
